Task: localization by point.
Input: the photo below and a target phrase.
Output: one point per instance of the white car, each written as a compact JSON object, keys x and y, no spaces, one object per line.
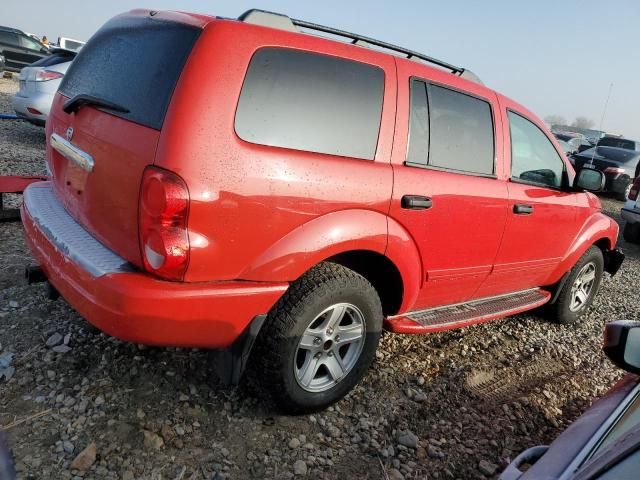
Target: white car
{"x":39,"y":83}
{"x":631,"y":213}
{"x":70,"y":43}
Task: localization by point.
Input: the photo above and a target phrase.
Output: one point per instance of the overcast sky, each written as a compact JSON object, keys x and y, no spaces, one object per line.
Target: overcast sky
{"x":555,"y":57}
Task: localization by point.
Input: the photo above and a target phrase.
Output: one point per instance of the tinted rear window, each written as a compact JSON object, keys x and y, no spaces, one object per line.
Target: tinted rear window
{"x":54,"y":59}
{"x":617,"y":143}
{"x":418,"y":149}
{"x":311,"y":102}
{"x":461,"y":132}
{"x":134,"y":62}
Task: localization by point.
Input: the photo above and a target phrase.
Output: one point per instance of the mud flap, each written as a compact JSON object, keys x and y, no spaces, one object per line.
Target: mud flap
{"x":613,"y":260}
{"x":230,"y":363}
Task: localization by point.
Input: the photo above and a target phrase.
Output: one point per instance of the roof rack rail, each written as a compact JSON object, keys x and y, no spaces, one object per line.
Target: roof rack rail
{"x":283,"y":22}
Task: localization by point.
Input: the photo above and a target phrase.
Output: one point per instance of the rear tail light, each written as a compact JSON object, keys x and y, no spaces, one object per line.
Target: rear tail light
{"x":163,"y":211}
{"x":635,"y":188}
{"x":34,"y":111}
{"x":46,"y":75}
{"x":614,"y":170}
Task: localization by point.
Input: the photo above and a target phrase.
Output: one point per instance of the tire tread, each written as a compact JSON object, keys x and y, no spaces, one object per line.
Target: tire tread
{"x":264,"y":373}
{"x":559,"y":311}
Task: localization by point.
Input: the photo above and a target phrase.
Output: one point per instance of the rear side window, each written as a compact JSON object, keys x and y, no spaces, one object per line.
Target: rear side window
{"x":461,"y":132}
{"x":311,"y":102}
{"x":450,"y":130}
{"x":30,"y":43}
{"x":418,"y":151}
{"x":134,"y":62}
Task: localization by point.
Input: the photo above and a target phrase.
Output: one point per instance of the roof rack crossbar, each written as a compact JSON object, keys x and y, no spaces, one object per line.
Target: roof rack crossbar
{"x":355,"y":37}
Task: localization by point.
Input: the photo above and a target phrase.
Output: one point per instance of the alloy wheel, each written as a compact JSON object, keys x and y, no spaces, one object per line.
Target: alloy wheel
{"x":330,"y":347}
{"x":582,"y":287}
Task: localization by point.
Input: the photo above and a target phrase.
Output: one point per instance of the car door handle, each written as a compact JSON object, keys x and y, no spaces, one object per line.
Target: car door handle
{"x":416,"y":202}
{"x":522,"y":209}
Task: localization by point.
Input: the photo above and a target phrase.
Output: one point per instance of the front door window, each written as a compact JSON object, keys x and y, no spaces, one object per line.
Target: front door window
{"x":533,"y":157}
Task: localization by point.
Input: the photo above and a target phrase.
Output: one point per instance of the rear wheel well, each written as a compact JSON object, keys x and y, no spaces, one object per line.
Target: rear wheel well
{"x":380,"y":271}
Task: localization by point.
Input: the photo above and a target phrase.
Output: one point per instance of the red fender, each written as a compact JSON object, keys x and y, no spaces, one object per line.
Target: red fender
{"x":597,"y":227}
{"x":403,"y":252}
{"x":317,"y":240}
{"x":340,"y":232}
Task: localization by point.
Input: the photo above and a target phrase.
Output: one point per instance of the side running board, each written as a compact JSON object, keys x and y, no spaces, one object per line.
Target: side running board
{"x":464,"y":314}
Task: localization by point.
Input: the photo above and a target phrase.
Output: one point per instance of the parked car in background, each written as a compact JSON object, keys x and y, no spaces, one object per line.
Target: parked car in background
{"x":70,"y":43}
{"x":567,"y":148}
{"x":576,"y":140}
{"x":604,"y":443}
{"x":20,"y":49}
{"x":592,"y":136}
{"x":317,"y":192}
{"x":618,"y":158}
{"x":631,"y":214}
{"x":39,"y":83}
{"x":619,"y":142}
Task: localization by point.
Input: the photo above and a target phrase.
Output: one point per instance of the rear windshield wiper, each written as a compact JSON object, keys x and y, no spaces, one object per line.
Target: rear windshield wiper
{"x":76,"y":103}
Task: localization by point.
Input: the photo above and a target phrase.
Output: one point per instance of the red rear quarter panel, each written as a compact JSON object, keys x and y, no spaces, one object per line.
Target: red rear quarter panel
{"x":256,"y":211}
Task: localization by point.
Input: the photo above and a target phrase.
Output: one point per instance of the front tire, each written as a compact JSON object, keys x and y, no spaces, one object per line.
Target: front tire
{"x":579,"y":290}
{"x":318,"y":340}
{"x":622,"y":196}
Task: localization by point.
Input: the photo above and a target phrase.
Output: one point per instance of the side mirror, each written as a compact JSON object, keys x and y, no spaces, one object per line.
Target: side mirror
{"x":590,"y":179}
{"x":622,"y":344}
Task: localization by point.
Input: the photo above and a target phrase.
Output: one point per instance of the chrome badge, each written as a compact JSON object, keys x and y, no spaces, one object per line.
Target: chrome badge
{"x":69,"y":134}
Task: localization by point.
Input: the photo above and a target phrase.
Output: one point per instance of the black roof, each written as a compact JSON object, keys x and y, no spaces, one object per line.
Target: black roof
{"x":11,"y":29}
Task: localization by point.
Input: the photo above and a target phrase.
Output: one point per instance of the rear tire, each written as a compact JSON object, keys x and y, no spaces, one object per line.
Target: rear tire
{"x":631,"y":232}
{"x":318,"y":340}
{"x":579,"y":290}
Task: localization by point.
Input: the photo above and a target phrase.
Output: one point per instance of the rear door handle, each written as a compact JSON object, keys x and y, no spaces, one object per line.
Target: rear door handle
{"x":416,"y":202}
{"x":522,"y":209}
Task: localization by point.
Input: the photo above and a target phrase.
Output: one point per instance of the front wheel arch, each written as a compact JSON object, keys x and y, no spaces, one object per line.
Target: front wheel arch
{"x":560,"y":309}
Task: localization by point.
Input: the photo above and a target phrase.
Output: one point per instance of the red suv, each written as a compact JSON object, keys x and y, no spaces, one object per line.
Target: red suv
{"x":249,"y":186}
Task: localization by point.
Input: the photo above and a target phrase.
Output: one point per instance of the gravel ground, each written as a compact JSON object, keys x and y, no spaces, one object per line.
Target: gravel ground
{"x":457,"y":404}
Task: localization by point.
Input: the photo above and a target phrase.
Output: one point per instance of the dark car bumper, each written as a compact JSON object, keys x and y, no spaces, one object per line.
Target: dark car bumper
{"x":616,"y":182}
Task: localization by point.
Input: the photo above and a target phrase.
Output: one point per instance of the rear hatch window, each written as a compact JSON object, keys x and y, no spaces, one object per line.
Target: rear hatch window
{"x":133,"y":62}
{"x":54,"y":59}
{"x":617,"y":143}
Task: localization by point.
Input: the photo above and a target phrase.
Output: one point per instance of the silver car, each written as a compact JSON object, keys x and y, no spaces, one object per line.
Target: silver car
{"x":38,"y":85}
